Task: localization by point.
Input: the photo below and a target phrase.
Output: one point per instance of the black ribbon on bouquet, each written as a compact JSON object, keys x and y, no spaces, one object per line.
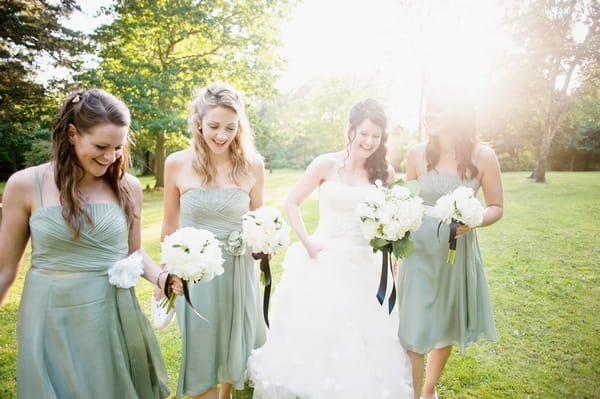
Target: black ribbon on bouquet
{"x":265,"y":267}
{"x":451,"y":259}
{"x":186,"y":294}
{"x":385,"y":263}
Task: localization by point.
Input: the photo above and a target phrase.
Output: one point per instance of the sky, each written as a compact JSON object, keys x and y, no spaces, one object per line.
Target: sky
{"x":397,"y":42}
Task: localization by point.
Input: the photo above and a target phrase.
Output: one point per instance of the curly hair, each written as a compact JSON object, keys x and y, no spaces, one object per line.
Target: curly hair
{"x":376,"y":164}
{"x":220,"y":94}
{"x":85,"y":109}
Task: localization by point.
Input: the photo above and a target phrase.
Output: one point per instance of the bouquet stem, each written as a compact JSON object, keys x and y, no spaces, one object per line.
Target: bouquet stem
{"x":266,"y":269}
{"x":451,"y":259}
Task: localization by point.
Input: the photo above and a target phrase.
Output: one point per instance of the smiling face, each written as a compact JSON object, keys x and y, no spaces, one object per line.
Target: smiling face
{"x":98,"y":147}
{"x":218,"y":128}
{"x":367,"y":138}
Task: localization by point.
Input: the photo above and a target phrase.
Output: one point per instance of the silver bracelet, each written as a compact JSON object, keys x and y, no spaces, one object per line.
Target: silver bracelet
{"x":158,"y":278}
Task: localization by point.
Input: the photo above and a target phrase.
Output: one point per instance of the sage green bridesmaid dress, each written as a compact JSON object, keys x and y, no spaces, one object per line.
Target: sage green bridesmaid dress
{"x":79,"y":336}
{"x":443,"y":304}
{"x":217,"y":352}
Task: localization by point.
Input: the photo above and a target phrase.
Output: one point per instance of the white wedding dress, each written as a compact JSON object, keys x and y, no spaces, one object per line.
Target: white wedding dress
{"x":329,"y":337}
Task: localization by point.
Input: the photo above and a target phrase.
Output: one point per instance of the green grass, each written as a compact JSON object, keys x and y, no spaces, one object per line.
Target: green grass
{"x":542,"y":263}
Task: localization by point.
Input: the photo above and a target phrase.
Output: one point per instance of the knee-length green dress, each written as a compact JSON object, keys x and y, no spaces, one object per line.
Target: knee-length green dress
{"x":443,"y":304}
{"x":217,"y":352}
{"x":78,"y":335}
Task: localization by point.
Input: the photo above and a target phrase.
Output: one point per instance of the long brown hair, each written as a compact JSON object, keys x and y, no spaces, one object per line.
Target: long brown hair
{"x":85,"y":109}
{"x":376,"y":164}
{"x":461,"y":125}
{"x":220,"y":94}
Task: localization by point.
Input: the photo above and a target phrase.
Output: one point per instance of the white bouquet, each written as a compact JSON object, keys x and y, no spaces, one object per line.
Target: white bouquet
{"x":192,"y":255}
{"x":266,"y":233}
{"x":458,"y":207}
{"x":387,"y":216}
{"x":126,"y":272}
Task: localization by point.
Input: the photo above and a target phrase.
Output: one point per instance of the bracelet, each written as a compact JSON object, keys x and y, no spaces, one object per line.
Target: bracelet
{"x":158,"y":278}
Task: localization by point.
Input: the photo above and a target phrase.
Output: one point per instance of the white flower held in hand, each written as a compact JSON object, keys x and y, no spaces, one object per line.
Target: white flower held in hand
{"x":459,"y":206}
{"x":264,"y":230}
{"x":192,"y":254}
{"x":126,"y":272}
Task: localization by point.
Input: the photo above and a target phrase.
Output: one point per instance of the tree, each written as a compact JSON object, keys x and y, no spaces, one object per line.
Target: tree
{"x":154,"y":53}
{"x":30,"y":30}
{"x":548,"y":30}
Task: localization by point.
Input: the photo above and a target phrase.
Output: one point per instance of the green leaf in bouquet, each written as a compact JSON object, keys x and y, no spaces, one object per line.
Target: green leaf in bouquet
{"x":402,"y":248}
{"x":397,"y":182}
{"x":378,"y":243}
{"x":414,"y":187}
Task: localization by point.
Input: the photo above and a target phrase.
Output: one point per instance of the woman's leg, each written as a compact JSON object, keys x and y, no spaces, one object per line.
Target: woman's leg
{"x":436,"y":361}
{"x":210,"y":394}
{"x":417,"y":361}
{"x":225,"y":391}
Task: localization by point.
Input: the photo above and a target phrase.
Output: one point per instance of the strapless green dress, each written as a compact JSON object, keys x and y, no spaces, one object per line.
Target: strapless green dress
{"x":78,"y":335}
{"x":442,"y":304}
{"x":217,"y":352}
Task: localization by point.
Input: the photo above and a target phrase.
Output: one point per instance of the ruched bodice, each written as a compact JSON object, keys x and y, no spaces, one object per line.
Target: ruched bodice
{"x":96,"y":250}
{"x":218,"y":210}
{"x":434,"y":185}
{"x":337,"y":213}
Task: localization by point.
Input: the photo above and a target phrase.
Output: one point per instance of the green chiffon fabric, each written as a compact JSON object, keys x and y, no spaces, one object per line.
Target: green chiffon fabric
{"x":217,"y":352}
{"x":79,"y":336}
{"x":443,"y":304}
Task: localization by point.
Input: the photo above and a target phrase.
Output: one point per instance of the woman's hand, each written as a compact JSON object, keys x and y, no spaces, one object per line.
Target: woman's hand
{"x":312,"y":249}
{"x":461,"y":230}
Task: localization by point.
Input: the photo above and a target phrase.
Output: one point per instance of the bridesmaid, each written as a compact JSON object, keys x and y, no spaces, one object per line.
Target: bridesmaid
{"x":79,"y":336}
{"x":210,"y":186}
{"x":440,"y":304}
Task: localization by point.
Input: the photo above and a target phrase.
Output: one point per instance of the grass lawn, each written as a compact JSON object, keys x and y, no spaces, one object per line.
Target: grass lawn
{"x":542,"y":263}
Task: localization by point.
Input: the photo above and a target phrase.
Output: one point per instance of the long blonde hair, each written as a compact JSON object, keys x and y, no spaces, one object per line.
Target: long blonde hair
{"x":220,"y":94}
{"x":85,"y":109}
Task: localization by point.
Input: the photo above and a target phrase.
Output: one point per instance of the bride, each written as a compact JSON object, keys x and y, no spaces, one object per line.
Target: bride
{"x":330,"y":337}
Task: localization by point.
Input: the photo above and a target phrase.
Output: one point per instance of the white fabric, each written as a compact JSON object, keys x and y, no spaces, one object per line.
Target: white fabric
{"x":330,"y":337}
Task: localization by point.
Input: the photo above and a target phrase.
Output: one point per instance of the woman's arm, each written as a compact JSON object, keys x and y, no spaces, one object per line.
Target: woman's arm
{"x":491,"y":186}
{"x":171,"y":194}
{"x":315,"y":174}
{"x":257,"y":192}
{"x":151,"y":270}
{"x":14,"y":232}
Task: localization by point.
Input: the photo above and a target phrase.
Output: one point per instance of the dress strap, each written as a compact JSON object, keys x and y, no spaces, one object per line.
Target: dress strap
{"x":38,"y":186}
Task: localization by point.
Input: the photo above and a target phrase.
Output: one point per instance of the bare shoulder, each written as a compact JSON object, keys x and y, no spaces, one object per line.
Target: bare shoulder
{"x":132,"y":182}
{"x":485,"y":155}
{"x":328,"y":160}
{"x":22,"y":181}
{"x":179,"y":157}
{"x":256,"y":161}
{"x":417,"y":149}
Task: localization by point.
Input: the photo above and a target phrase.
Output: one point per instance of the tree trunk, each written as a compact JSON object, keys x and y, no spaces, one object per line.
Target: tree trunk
{"x":159,"y":159}
{"x":147,"y":168}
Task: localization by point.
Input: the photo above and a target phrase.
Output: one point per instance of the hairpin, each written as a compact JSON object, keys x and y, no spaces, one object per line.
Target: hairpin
{"x":76,"y":99}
